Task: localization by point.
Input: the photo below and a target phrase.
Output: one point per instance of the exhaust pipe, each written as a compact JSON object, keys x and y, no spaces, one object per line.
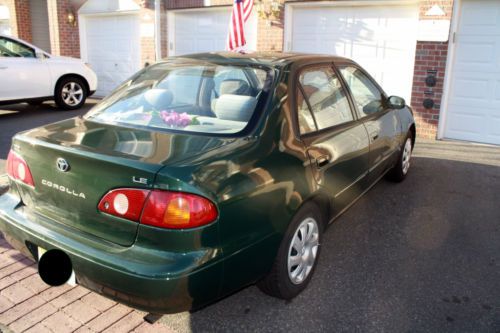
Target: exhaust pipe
{"x":54,"y":267}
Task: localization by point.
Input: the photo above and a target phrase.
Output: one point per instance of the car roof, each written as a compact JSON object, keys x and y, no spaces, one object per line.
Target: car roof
{"x":274,"y":59}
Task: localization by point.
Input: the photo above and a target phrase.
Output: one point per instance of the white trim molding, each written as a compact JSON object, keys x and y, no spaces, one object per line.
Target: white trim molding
{"x":450,"y":60}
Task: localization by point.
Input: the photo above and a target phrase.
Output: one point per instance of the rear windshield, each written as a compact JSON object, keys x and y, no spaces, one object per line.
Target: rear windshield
{"x":194,"y":97}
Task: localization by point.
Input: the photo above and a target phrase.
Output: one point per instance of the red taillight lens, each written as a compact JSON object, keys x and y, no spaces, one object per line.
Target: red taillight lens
{"x":171,"y":210}
{"x":126,"y":203}
{"x":176,"y":210}
{"x":17,"y":168}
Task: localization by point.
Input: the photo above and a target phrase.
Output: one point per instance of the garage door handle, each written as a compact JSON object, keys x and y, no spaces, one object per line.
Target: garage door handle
{"x":322,"y":161}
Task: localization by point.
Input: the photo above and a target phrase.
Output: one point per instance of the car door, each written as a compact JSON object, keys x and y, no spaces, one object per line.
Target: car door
{"x":381,"y":122}
{"x":337,"y":144}
{"x":23,"y":74}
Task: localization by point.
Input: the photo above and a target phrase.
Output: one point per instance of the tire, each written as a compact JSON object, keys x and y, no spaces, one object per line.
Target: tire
{"x":279,"y":282}
{"x":71,"y":93}
{"x":399,"y":172}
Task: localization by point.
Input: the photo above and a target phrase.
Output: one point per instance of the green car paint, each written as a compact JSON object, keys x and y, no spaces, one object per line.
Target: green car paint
{"x":258,"y":179}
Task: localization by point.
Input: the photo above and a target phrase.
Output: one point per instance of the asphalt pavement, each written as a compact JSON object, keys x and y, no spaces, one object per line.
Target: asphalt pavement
{"x":419,"y":256}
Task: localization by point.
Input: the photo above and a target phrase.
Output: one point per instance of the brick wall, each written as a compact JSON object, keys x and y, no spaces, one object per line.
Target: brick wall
{"x":20,"y":18}
{"x":430,"y":59}
{"x":23,"y":19}
{"x":64,"y":37}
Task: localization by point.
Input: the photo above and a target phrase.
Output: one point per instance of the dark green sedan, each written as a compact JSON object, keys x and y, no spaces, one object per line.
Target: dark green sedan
{"x":203,"y":174}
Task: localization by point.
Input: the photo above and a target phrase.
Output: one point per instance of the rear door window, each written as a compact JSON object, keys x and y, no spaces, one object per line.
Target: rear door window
{"x":322,"y":101}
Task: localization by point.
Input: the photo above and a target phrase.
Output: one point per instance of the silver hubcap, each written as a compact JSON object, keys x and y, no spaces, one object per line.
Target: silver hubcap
{"x":303,"y":250}
{"x":406,"y":156}
{"x":72,"y":93}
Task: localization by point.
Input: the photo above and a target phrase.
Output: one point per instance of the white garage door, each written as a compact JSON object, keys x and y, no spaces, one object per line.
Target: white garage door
{"x":473,"y":109}
{"x":204,"y":31}
{"x":112,"y":49}
{"x":382,"y":39}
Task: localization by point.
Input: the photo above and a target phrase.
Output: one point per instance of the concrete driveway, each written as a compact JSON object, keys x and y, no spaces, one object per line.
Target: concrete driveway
{"x":423,"y":255}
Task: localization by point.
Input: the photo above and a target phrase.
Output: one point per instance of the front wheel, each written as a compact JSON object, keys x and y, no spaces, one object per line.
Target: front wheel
{"x":297,"y":256}
{"x":400,"y":170}
{"x":70,"y":93}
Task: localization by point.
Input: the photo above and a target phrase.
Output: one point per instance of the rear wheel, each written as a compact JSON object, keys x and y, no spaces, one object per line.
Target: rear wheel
{"x":70,"y":93}
{"x":297,"y":256}
{"x":400,"y":170}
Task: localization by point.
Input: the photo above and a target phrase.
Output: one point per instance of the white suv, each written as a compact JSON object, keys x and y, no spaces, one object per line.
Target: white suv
{"x":29,"y":74}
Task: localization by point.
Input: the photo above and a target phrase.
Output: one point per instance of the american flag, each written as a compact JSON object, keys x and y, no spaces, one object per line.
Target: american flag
{"x":241,"y":12}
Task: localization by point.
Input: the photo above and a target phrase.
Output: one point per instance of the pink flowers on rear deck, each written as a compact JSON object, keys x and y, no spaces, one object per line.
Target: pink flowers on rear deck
{"x":174,"y":119}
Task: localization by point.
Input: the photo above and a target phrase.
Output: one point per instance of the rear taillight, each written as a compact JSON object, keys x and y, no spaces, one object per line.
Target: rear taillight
{"x":18,"y":169}
{"x":126,"y":203}
{"x":164,"y":209}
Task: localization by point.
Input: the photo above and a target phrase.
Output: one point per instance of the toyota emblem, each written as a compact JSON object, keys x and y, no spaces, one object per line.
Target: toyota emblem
{"x":62,"y":164}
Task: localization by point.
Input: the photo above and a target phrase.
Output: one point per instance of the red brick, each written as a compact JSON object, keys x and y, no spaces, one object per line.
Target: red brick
{"x":38,"y":328}
{"x":17,"y":293}
{"x":154,"y":328}
{"x":14,"y":267}
{"x":20,"y":310}
{"x":32,"y":318}
{"x":69,"y":296}
{"x":81,"y":312}
{"x":127,"y":324}
{"x":35,"y":284}
{"x":84,"y":329}
{"x":109,"y":317}
{"x":98,"y":302}
{"x":5,"y":304}
{"x":59,"y":322}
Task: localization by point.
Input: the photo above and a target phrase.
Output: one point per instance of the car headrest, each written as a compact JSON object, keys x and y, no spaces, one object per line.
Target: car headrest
{"x":235,"y":107}
{"x":234,"y":87}
{"x":159,"y":98}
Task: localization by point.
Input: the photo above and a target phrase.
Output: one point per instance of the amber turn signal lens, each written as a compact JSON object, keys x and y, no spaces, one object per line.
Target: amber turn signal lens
{"x":177,"y":210}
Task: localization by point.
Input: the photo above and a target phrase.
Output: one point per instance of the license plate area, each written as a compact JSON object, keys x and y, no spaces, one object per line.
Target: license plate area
{"x":72,"y":279}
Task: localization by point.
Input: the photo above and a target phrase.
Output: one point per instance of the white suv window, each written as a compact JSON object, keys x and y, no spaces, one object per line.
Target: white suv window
{"x":11,"y":48}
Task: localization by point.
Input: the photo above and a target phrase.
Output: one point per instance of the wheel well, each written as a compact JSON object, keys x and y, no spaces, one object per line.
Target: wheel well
{"x":413,"y":131}
{"x":65,"y":76}
{"x":323,"y":202}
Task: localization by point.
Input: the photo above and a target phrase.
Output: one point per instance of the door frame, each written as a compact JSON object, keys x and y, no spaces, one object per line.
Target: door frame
{"x":450,"y":61}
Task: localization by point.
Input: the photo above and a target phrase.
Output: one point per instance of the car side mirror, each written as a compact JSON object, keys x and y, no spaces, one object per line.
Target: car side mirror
{"x":395,"y":102}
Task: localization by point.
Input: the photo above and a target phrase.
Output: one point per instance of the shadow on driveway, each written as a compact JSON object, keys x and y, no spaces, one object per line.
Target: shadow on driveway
{"x":423,"y":255}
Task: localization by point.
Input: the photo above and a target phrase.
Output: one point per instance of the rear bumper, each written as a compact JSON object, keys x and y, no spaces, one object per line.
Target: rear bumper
{"x":154,"y":281}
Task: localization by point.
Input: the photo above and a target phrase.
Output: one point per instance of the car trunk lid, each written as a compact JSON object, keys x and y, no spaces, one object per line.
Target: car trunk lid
{"x":99,"y":158}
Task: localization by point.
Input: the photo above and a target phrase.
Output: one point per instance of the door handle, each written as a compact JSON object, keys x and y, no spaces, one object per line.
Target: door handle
{"x":3,"y":67}
{"x":374,"y":136}
{"x":322,"y":161}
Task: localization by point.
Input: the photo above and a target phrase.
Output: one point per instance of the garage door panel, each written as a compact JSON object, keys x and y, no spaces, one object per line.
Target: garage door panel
{"x":112,"y":49}
{"x":473,"y":109}
{"x":206,"y":31}
{"x":471,"y":88}
{"x":487,"y":25}
{"x":380,"y":38}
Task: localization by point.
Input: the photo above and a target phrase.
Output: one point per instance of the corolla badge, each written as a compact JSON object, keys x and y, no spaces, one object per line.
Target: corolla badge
{"x":62,"y":164}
